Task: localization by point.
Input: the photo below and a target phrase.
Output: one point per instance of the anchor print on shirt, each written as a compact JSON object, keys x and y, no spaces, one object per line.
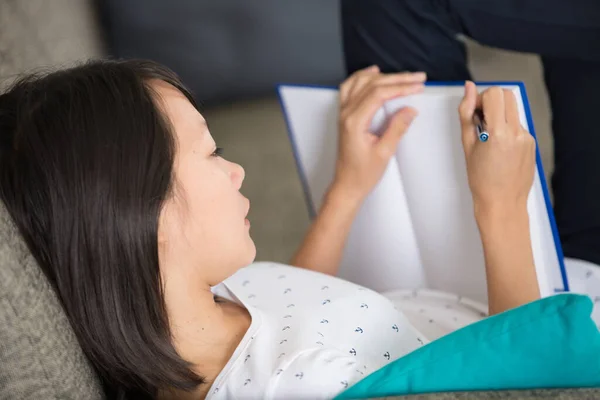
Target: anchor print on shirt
{"x":283,"y":341}
{"x":287,"y":316}
{"x":247,"y":381}
{"x":326,"y":301}
{"x":387,"y":355}
{"x":279,"y":371}
{"x":291,"y":305}
{"x":286,"y":291}
{"x":245,"y":282}
{"x":247,"y":357}
{"x":324,"y":287}
{"x":324,"y":321}
{"x":395,"y":327}
{"x":285,"y":328}
{"x":299,"y":375}
{"x":364,"y":305}
{"x":352,"y":351}
{"x":344,"y":384}
{"x":252,"y":296}
{"x":359,"y":330}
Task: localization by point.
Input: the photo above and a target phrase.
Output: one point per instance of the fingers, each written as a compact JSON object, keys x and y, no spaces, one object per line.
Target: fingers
{"x":465,"y":110}
{"x":406,"y":78}
{"x":360,"y":114}
{"x":349,"y":84}
{"x":493,"y":104}
{"x":360,"y":80}
{"x":512,"y":112}
{"x":399,"y":123}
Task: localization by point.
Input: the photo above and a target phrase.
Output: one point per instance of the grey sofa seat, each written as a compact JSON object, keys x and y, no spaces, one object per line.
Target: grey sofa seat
{"x":39,"y":354}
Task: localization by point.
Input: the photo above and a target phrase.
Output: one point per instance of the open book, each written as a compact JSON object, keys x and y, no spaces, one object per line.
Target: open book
{"x":417,"y":228}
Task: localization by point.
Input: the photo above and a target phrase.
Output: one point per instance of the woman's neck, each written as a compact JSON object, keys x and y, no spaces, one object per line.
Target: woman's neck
{"x":205,"y":332}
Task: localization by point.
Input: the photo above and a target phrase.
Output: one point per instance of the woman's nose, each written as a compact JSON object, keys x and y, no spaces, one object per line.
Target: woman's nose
{"x":237,"y":175}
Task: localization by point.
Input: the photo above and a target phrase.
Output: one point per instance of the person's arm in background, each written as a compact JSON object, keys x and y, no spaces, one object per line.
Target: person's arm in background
{"x":362,"y":160}
{"x":501,"y":173}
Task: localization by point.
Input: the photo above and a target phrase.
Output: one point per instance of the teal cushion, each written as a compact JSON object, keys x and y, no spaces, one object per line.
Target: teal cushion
{"x":549,"y":343}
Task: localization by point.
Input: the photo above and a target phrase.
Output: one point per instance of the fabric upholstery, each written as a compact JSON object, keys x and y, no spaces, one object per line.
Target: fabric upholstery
{"x":39,"y":354}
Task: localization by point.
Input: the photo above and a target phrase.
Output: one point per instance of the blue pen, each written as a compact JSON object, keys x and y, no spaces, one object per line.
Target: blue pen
{"x":479,"y":122}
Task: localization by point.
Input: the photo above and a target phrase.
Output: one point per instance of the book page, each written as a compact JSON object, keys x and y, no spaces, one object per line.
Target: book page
{"x":381,"y":251}
{"x":433,"y":169}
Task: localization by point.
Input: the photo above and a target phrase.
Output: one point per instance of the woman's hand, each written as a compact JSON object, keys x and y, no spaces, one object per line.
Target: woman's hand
{"x":500,"y":170}
{"x":500,"y":174}
{"x":363,"y":156}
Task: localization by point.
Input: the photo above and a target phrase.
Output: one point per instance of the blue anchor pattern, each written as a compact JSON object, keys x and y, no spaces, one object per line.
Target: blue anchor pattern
{"x":323,"y":320}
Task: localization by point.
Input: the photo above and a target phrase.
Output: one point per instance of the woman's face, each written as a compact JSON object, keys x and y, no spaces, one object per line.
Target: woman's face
{"x":203,"y":228}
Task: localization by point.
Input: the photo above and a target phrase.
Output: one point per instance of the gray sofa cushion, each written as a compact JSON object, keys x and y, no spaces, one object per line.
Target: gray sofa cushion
{"x":228,"y":49}
{"x":39,"y":354}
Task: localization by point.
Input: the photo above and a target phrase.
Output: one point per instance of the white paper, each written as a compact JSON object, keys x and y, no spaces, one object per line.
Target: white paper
{"x":417,"y":227}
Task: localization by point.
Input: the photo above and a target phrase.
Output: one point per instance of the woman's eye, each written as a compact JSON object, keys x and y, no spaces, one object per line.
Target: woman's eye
{"x":218,"y":152}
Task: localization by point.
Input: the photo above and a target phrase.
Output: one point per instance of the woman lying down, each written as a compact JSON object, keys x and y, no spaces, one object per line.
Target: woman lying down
{"x":118,"y":188}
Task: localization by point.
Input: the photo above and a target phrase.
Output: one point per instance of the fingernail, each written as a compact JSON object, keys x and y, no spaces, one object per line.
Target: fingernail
{"x":420,"y":75}
{"x":409,"y":114}
{"x":373,"y":67}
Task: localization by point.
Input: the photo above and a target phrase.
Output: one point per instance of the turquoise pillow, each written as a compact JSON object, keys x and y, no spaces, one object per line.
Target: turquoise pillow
{"x":550,"y":343}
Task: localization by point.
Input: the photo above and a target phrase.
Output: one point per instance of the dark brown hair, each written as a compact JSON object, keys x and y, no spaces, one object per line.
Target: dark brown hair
{"x":86,"y":163}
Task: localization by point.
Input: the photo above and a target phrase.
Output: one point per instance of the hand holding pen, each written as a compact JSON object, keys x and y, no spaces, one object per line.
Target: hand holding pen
{"x":499,"y":152}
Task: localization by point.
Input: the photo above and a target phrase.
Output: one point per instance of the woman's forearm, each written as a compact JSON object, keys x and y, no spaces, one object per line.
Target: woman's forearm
{"x":510,"y":269}
{"x":324,"y":243}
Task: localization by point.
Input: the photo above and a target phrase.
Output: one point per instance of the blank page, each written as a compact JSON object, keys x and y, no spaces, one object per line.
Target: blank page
{"x":433,"y":169}
{"x":417,"y":227}
{"x":381,"y":252}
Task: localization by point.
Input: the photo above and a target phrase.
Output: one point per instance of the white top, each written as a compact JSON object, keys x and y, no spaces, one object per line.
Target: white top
{"x":313,"y":335}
